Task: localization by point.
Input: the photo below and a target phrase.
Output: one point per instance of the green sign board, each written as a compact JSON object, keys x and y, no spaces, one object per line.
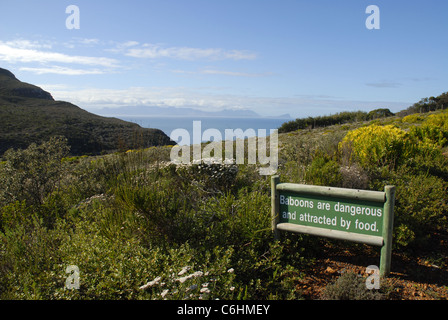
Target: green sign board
{"x":355,"y":215}
{"x":364,"y":217}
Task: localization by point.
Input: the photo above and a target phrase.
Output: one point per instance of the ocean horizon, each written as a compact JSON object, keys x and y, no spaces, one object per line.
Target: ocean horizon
{"x":170,"y":123}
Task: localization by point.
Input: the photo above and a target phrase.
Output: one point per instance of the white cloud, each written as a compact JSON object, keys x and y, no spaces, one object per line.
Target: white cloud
{"x":81,"y":42}
{"x":156,"y":96}
{"x":234,"y":73}
{"x":129,"y":44}
{"x":27,"y":44}
{"x":153,"y":51}
{"x":224,"y":73}
{"x":88,"y":41}
{"x":61,"y":70}
{"x":121,"y":47}
{"x":208,"y":98}
{"x":44,"y":57}
{"x":14,"y":52}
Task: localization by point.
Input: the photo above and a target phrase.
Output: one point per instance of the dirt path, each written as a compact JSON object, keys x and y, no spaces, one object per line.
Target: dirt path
{"x":413,"y":278}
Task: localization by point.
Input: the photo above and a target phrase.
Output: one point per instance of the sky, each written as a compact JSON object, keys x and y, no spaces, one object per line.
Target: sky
{"x":300,"y":57}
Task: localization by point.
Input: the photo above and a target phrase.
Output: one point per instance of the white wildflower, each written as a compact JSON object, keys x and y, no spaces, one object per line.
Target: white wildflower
{"x":231,"y":270}
{"x":205,"y":290}
{"x":164,"y":293}
{"x":183,"y":279}
{"x":184,"y":270}
{"x":150,"y":283}
{"x":193,"y":275}
{"x":198,"y":274}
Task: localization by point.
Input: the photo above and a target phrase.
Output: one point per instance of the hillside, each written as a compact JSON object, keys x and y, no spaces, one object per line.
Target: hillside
{"x":140,"y":227}
{"x":29,"y":114}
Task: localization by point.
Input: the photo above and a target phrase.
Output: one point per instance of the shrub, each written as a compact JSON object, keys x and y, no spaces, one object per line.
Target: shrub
{"x":184,"y":276}
{"x":166,"y":213}
{"x":420,"y":207}
{"x":237,"y":220}
{"x":413,"y":118}
{"x":350,"y":286}
{"x":323,"y":171}
{"x":324,"y":121}
{"x":354,"y":177}
{"x":414,"y":163}
{"x":439,"y":119}
{"x":15,"y":214}
{"x":29,"y":253}
{"x":213,"y":177}
{"x":378,"y":146}
{"x":434,"y":130}
{"x":33,"y":173}
{"x":403,"y":236}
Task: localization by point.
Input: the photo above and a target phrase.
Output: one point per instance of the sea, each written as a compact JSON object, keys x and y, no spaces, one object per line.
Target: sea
{"x":169,"y":124}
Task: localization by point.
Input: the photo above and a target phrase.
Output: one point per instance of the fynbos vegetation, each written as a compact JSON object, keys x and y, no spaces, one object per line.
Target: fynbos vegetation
{"x":140,"y":227}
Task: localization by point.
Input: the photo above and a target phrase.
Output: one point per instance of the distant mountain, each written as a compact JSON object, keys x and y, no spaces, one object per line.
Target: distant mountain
{"x":284,"y":116}
{"x":174,"y":111}
{"x":29,"y":114}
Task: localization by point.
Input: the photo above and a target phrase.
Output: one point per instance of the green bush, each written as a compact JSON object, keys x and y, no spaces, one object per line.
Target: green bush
{"x":166,"y":213}
{"x":323,"y":171}
{"x":233,"y":220}
{"x":32,"y":174}
{"x":212,"y":177}
{"x":350,"y":286}
{"x":420,"y":207}
{"x":338,"y":118}
{"x":29,"y":254}
{"x":183,"y":276}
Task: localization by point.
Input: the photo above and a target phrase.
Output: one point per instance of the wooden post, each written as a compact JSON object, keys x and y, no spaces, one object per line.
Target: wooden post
{"x":275,"y":209}
{"x":388,"y":222}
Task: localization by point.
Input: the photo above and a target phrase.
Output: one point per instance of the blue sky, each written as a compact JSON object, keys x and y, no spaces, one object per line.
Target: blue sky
{"x":304,"y":58}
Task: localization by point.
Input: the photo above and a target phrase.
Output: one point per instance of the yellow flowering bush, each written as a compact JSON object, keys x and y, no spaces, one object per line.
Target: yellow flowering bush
{"x":432,"y":134}
{"x":433,"y":131}
{"x":375,"y":145}
{"x":440,"y":120}
{"x":413,"y":118}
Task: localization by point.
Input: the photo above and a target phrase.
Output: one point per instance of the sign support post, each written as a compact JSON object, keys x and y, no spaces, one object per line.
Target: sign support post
{"x":275,"y":210}
{"x":388,"y":222}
